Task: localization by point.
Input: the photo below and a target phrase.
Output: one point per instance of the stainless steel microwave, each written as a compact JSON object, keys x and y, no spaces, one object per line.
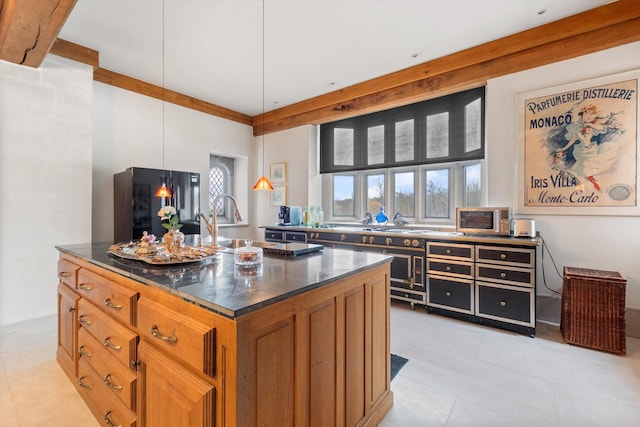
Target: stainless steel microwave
{"x":492,"y":221}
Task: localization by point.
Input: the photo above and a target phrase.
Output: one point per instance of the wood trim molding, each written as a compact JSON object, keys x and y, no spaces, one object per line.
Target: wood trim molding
{"x":28,"y":28}
{"x":112,"y":78}
{"x":76,"y":52}
{"x":601,"y":28}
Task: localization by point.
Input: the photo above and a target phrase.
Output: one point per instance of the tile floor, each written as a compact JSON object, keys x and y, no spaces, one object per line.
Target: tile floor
{"x":458,"y":374}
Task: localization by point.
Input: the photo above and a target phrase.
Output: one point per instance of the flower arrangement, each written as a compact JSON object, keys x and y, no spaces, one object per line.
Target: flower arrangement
{"x":169,"y":213}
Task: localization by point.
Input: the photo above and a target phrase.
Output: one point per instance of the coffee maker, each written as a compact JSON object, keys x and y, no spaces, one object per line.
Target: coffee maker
{"x":284,"y":215}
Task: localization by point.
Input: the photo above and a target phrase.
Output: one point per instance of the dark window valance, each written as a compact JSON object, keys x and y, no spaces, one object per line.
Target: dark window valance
{"x":446,"y":129}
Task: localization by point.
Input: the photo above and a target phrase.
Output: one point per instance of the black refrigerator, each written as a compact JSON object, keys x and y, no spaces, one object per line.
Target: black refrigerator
{"x":135,"y":206}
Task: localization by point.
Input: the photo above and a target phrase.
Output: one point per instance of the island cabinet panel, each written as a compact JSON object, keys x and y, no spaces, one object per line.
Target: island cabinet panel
{"x":117,"y":300}
{"x":109,"y":411}
{"x":120,"y":342}
{"x":121,"y":381}
{"x":178,"y":334}
{"x":320,"y":359}
{"x":173,"y":396}
{"x":67,"y":329}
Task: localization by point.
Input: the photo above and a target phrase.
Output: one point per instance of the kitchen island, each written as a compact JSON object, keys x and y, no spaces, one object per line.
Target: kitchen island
{"x":297,"y":341}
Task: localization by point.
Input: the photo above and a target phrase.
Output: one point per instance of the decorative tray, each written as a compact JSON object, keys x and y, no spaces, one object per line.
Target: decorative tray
{"x":158,"y":254}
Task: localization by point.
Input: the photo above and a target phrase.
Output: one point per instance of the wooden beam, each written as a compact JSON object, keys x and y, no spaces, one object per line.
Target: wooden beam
{"x":76,"y":52}
{"x":588,"y":32}
{"x":28,"y":28}
{"x":125,"y":82}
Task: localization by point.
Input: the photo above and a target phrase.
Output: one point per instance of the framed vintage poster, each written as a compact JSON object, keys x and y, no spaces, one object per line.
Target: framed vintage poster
{"x":578,"y":146}
{"x":278,"y":173}
{"x":279,"y":195}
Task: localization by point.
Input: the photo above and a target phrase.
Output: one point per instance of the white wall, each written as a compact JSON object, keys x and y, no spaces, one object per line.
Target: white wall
{"x":297,"y":148}
{"x":598,"y":242}
{"x":128,"y":131}
{"x":45,"y":179}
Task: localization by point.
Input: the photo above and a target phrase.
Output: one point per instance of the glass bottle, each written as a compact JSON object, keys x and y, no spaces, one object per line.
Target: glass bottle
{"x":382,"y":217}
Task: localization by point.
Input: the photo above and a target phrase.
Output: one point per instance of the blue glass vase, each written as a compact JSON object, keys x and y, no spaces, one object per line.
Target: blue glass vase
{"x":382,"y":217}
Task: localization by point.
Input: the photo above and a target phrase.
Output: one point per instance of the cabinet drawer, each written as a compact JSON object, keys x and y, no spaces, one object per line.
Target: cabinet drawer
{"x":506,"y":256}
{"x":118,"y":340}
{"x":452,"y":251}
{"x":119,"y":380}
{"x":450,"y":293}
{"x":463,"y":270}
{"x":113,"y":298}
{"x":103,"y":404}
{"x":273,"y":235}
{"x":505,"y":275}
{"x":68,"y":273}
{"x":407,"y":295}
{"x":505,"y":303}
{"x":293,"y":236}
{"x":179,"y":335}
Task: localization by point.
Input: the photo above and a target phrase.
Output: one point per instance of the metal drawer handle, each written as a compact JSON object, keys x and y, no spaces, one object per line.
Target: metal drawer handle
{"x":84,"y":353}
{"x":109,"y":304}
{"x":84,"y":321}
{"x":111,"y":384}
{"x":84,"y":287}
{"x":503,"y":256}
{"x":503,"y":275}
{"x":82,"y":384}
{"x":448,"y":293}
{"x":71,"y":309}
{"x":107,"y":343}
{"x":64,"y":274}
{"x":107,"y":419}
{"x":503,"y":303}
{"x":156,"y":333}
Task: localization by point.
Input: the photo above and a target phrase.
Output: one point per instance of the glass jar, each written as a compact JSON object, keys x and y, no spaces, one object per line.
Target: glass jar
{"x":247,"y":255}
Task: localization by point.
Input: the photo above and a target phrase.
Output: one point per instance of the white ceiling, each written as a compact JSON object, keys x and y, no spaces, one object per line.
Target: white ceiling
{"x":213,"y":48}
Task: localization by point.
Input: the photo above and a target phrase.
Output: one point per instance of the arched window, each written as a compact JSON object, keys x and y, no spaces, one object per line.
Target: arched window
{"x":220,"y":182}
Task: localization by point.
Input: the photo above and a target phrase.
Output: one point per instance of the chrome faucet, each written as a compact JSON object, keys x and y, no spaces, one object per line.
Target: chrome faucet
{"x":213,"y":225}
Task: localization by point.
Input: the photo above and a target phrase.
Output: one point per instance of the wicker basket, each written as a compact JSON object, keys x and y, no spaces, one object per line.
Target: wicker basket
{"x":593,"y":304}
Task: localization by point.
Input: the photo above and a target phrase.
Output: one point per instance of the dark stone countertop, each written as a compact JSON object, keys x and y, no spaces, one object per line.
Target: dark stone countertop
{"x":219,"y":285}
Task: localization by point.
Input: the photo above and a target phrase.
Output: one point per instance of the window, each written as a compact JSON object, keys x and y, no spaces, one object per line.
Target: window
{"x":404,"y":194}
{"x":221,"y":171}
{"x":421,"y":160}
{"x":375,"y":192}
{"x":343,"y":195}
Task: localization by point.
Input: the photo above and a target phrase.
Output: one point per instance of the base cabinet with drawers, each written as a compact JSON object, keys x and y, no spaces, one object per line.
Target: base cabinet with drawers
{"x":484,"y":283}
{"x":140,"y":356}
{"x":407,"y":267}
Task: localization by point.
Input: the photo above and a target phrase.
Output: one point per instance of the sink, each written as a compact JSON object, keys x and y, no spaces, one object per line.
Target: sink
{"x":239,"y":243}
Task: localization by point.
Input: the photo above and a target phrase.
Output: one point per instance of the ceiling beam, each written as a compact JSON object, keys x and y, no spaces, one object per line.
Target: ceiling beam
{"x":28,"y":28}
{"x":129,"y":83}
{"x":601,"y":28}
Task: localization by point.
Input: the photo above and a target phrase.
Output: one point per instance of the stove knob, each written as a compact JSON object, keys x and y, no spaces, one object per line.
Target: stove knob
{"x":407,"y":242}
{"x":415,"y":243}
{"x":342,"y":237}
{"x":364,"y":239}
{"x":388,"y":241}
{"x":372,"y":240}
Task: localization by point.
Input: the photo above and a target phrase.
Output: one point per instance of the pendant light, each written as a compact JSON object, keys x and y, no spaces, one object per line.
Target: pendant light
{"x":263,"y":183}
{"x":163,"y":191}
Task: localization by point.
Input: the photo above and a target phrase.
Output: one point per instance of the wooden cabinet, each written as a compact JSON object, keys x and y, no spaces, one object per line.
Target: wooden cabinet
{"x":171,"y":395}
{"x":491,"y":284}
{"x":321,"y":357}
{"x":67,"y":329}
